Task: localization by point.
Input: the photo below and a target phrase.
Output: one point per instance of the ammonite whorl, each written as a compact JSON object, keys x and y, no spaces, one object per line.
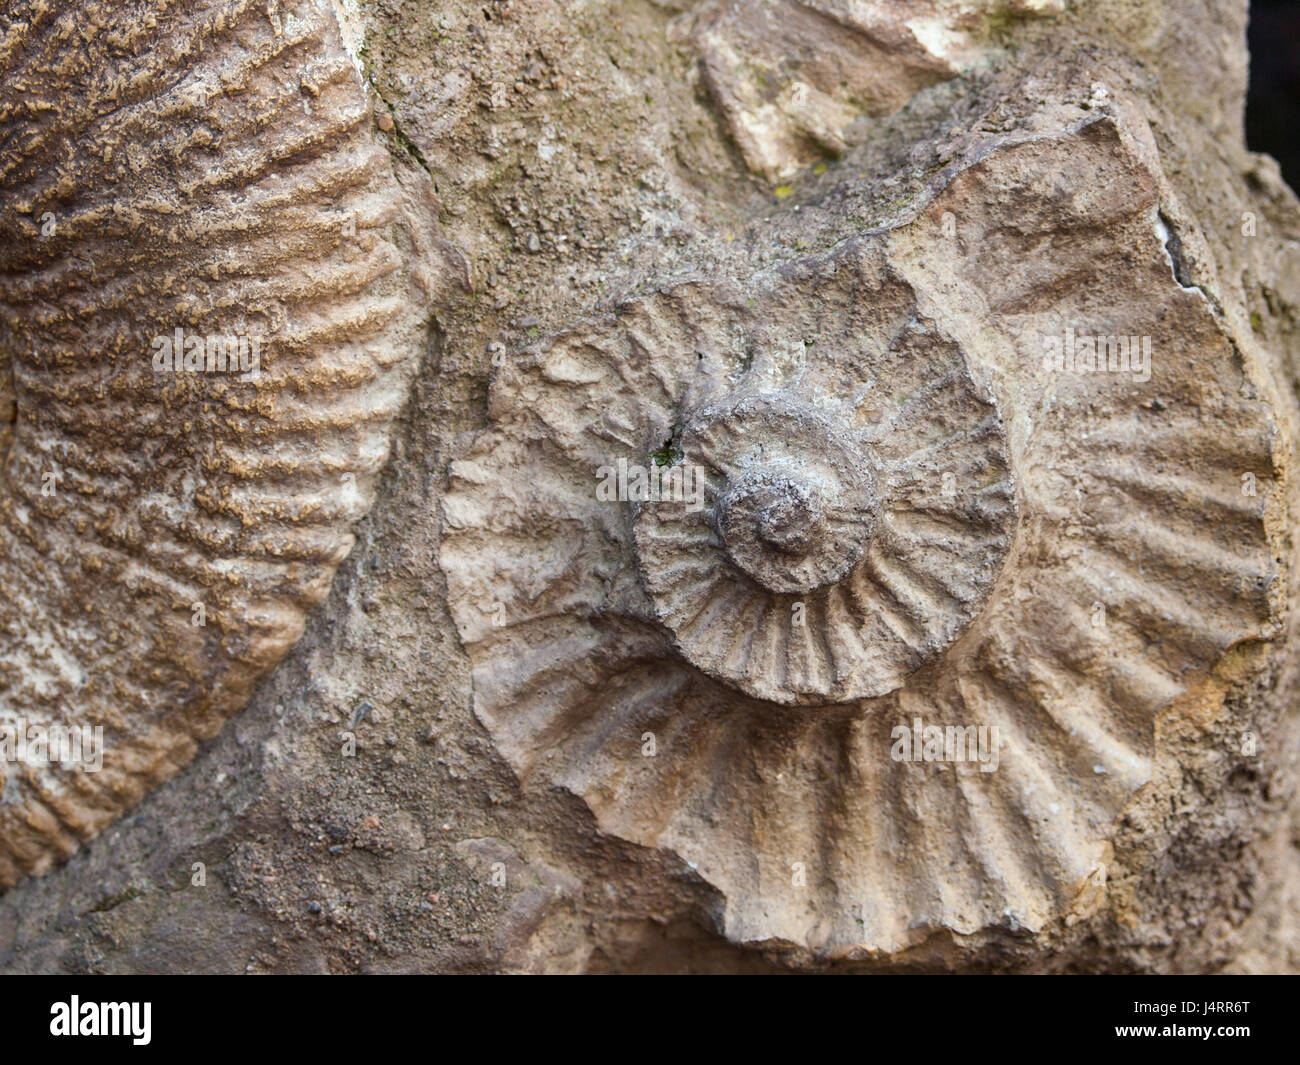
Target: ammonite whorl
{"x":833,"y":555}
{"x":210,"y":306}
{"x":837,"y":582}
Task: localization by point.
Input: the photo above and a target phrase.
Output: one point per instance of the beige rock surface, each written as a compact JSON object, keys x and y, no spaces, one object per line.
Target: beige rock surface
{"x":818,"y":252}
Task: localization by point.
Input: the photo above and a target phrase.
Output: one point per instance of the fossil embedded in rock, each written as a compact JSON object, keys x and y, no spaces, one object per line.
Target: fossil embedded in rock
{"x":911,"y":522}
{"x":204,"y":173}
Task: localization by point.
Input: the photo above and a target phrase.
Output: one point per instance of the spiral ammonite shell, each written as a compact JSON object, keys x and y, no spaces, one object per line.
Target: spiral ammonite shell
{"x":206,"y":169}
{"x":905,"y":517}
{"x":833,"y":559}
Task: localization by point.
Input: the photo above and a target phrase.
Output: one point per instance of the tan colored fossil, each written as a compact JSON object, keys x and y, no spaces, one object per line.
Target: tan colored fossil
{"x":924,"y":509}
{"x":211,"y":310}
{"x":874,"y":545}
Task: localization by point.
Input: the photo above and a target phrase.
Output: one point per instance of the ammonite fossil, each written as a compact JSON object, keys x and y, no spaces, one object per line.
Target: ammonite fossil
{"x":862,"y":582}
{"x":210,"y":308}
{"x":831,"y":556}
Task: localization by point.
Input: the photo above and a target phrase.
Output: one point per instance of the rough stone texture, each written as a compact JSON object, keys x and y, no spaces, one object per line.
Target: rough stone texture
{"x":640,"y":288}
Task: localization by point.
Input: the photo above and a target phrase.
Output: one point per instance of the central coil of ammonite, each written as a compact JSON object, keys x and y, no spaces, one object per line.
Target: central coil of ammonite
{"x":791,"y":523}
{"x":806,"y":571}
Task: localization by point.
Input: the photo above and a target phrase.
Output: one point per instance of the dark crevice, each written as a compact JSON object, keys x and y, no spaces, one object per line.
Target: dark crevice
{"x":1273,"y":97}
{"x":1174,"y":246}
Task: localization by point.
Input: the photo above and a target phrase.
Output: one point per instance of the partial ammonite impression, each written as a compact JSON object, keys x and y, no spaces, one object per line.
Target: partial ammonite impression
{"x":842,"y":582}
{"x":209,"y":314}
